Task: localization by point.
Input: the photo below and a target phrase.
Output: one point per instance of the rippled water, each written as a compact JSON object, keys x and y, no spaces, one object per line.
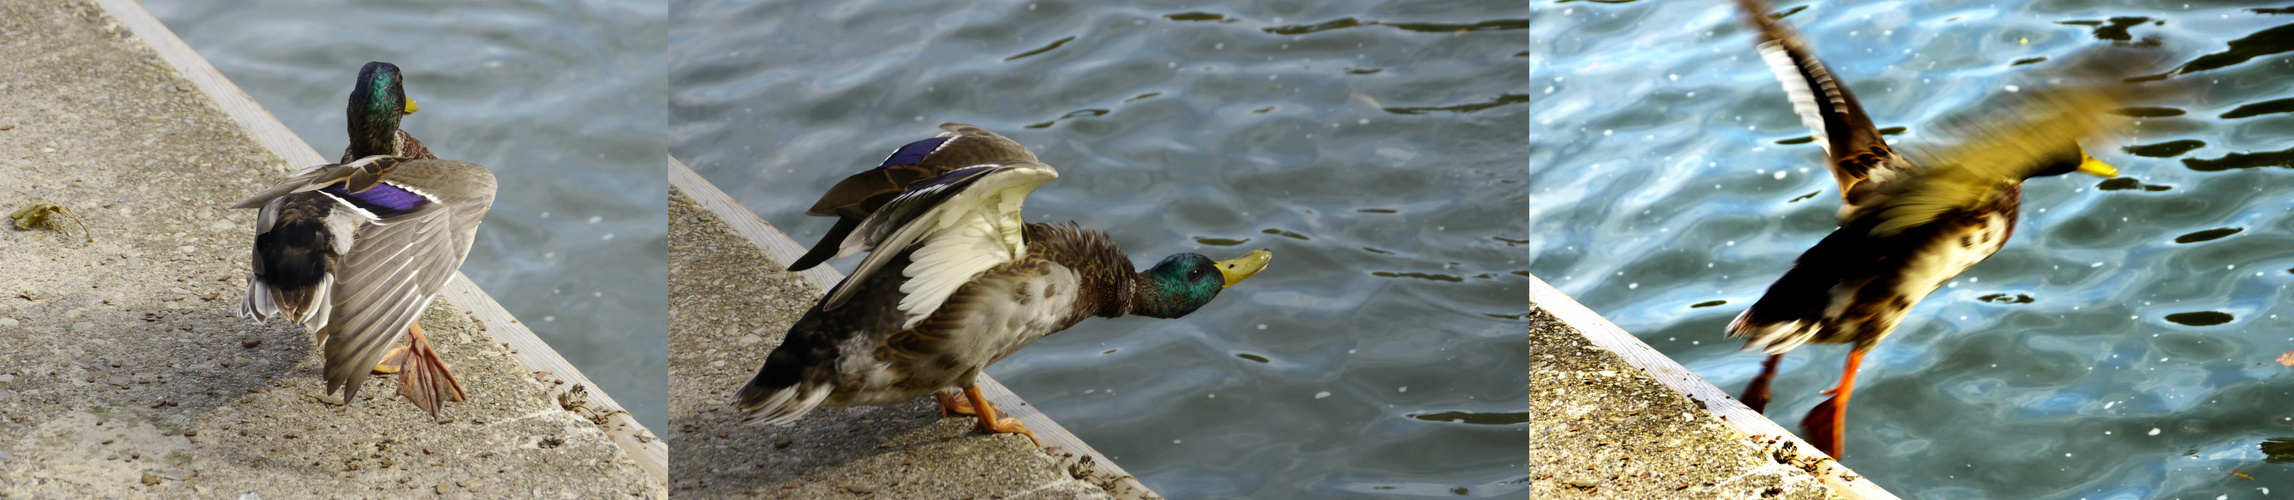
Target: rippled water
{"x":563,"y":100}
{"x":1375,"y":148}
{"x":2121,"y":346}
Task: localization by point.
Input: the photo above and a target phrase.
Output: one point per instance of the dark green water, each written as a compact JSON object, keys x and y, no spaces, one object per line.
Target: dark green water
{"x":2121,"y":346}
{"x":562,"y":100}
{"x":1374,"y":147}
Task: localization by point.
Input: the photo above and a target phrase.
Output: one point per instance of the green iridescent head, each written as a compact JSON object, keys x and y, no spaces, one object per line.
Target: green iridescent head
{"x":376,"y":105}
{"x":1182,"y":283}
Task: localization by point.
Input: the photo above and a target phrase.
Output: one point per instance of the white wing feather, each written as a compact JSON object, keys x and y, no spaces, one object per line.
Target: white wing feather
{"x":973,"y":232}
{"x":1801,"y":92}
{"x":956,"y":237}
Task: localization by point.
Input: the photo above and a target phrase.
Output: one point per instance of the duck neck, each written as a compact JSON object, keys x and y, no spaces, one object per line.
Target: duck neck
{"x":371,"y":134}
{"x":1108,"y":287}
{"x":1105,"y":281}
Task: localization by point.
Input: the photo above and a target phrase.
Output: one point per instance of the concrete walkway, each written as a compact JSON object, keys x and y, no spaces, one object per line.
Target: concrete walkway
{"x":729,"y":305}
{"x":1601,"y":428}
{"x":124,"y":371}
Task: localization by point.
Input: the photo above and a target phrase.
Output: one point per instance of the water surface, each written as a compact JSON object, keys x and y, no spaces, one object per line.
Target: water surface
{"x":2121,"y":346}
{"x":562,"y":100}
{"x":1374,"y":147}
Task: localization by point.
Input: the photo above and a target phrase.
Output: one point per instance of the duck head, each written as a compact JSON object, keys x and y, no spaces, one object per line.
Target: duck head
{"x":376,"y":105}
{"x":1184,"y":282}
{"x":2074,"y":159}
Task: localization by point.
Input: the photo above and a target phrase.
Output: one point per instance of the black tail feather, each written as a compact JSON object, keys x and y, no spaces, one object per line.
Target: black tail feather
{"x":292,"y":259}
{"x":827,"y":246}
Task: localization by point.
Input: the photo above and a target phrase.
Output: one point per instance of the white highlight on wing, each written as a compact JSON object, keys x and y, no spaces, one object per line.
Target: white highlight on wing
{"x":417,"y":192}
{"x":935,"y":149}
{"x":1802,"y":92}
{"x":370,"y":217}
{"x":976,"y":230}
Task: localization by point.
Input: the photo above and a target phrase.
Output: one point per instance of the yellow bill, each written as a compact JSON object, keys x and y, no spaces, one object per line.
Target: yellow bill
{"x":2091,"y":166}
{"x":410,"y":107}
{"x":1241,"y":268}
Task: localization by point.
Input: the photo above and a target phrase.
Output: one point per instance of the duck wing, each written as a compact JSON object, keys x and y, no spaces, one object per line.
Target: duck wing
{"x":861,"y":194}
{"x":961,"y":223}
{"x":355,"y":176}
{"x":395,"y":266}
{"x":1853,"y":148}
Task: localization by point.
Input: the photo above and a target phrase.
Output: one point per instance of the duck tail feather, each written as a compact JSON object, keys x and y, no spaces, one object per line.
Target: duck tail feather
{"x":1771,"y":337}
{"x":797,"y":377}
{"x":763,"y":405}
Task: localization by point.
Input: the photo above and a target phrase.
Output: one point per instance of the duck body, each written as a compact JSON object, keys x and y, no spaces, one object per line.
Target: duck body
{"x":354,"y":251}
{"x":863,"y":353}
{"x":955,"y":281}
{"x":356,"y":267}
{"x":1854,"y":287}
{"x":1906,"y":227}
{"x":1908,"y":223}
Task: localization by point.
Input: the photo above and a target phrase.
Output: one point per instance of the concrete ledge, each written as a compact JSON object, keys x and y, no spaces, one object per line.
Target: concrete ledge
{"x":124,"y":371}
{"x":1600,"y":428}
{"x":731,"y":301}
{"x":1611,"y":417}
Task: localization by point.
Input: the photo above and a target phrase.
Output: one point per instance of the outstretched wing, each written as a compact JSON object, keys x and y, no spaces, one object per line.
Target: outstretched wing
{"x":961,"y":223}
{"x":400,"y":263}
{"x":861,"y":194}
{"x":355,"y":176}
{"x":1852,"y":145}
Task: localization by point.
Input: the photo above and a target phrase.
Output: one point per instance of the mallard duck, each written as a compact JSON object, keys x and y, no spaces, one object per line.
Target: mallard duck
{"x":355,"y":251}
{"x":1906,"y":227}
{"x":954,"y":281}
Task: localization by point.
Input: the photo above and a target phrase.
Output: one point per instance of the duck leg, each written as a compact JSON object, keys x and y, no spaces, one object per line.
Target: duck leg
{"x":952,"y":405}
{"x":989,"y":422}
{"x":425,"y":380}
{"x":1826,"y":425}
{"x":1756,"y":393}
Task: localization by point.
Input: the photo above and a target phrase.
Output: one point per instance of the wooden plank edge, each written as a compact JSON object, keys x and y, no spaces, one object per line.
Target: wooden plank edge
{"x":1774,"y":440}
{"x":650,"y":453}
{"x":1073,"y":453}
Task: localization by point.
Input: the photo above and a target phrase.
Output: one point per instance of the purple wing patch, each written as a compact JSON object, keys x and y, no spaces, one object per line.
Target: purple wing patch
{"x":914,"y":152}
{"x":383,"y":200}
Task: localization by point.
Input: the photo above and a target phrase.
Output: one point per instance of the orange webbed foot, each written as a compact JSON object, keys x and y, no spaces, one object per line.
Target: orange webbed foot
{"x":1756,"y":393}
{"x":988,"y":421}
{"x":424,"y":379}
{"x":1826,"y":427}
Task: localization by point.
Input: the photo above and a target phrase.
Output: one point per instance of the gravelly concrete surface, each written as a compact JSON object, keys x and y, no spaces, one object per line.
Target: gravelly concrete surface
{"x":1601,"y":428}
{"x":729,"y":305}
{"x":124,"y":371}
